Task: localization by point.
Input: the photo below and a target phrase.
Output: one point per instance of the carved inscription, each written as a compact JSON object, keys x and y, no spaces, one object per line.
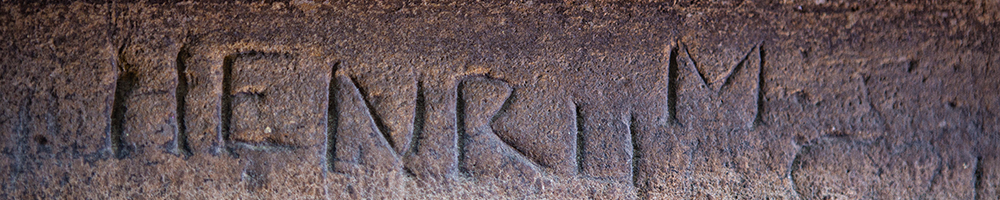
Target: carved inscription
{"x":145,"y":115}
{"x":358,"y":145}
{"x":509,"y":100}
{"x":484,"y":154}
{"x":733,"y":97}
{"x":259,"y":105}
{"x":360,"y":139}
{"x":369,"y":132}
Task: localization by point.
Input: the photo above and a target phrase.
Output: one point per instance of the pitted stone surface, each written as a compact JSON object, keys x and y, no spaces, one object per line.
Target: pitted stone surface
{"x":740,"y":99}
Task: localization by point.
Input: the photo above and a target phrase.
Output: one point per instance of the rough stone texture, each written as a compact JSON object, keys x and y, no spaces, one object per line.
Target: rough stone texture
{"x":691,"y":99}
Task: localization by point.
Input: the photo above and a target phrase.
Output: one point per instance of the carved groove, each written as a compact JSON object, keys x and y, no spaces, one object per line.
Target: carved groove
{"x":503,"y":109}
{"x":181,"y":92}
{"x":978,"y":184}
{"x":694,"y":64}
{"x":758,"y":118}
{"x":462,"y":135}
{"x":672,"y":70}
{"x":736,"y":69}
{"x":231,"y":95}
{"x":124,"y":86}
{"x":483,"y":152}
{"x":634,"y":136}
{"x":332,"y":117}
{"x":379,"y":124}
{"x":227,"y":100}
{"x":714,"y":85}
{"x":579,"y":137}
{"x":419,"y":118}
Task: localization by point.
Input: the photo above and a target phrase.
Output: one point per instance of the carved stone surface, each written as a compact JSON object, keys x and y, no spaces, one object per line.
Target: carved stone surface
{"x":692,"y":99}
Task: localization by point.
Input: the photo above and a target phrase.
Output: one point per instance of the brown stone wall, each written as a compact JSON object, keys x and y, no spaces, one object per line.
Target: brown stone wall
{"x":693,"y":99}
